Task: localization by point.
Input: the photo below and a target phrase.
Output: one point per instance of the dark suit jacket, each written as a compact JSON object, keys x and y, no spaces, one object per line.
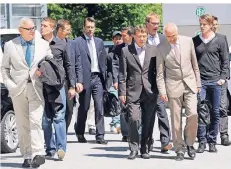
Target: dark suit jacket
{"x":75,"y":60}
{"x":110,"y":78}
{"x":81,"y":46}
{"x":133,"y":78}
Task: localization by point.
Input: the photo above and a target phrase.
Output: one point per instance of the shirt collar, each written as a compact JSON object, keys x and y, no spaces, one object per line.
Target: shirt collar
{"x":209,"y":39}
{"x":154,"y":36}
{"x":140,"y":48}
{"x":87,"y":37}
{"x":24,"y":43}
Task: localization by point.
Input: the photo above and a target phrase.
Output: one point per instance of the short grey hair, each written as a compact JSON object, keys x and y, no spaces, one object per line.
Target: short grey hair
{"x":24,"y":20}
{"x":171,"y":25}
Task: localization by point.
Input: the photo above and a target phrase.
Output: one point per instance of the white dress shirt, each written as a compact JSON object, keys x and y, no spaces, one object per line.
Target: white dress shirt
{"x":153,"y":40}
{"x":94,"y":58}
{"x":140,"y":53}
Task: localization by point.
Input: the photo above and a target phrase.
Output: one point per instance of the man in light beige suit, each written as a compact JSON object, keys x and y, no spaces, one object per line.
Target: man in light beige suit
{"x":19,"y":67}
{"x":178,"y":80}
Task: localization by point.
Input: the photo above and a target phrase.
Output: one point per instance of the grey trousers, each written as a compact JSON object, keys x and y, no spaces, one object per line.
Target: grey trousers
{"x":224,"y":112}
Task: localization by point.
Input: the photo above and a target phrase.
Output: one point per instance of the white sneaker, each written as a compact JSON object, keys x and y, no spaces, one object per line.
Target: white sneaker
{"x":61,"y":154}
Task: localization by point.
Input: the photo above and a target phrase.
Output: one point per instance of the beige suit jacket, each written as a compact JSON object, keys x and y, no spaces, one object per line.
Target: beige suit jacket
{"x":172,"y":74}
{"x":15,"y":71}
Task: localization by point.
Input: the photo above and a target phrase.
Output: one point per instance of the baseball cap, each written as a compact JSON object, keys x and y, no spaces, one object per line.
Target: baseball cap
{"x":116,"y":33}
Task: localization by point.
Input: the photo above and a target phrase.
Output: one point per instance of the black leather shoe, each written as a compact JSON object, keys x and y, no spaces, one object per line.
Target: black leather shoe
{"x":92,"y":131}
{"x":81,"y":138}
{"x":26,"y":163}
{"x":49,"y":155}
{"x":179,"y":157}
{"x":145,"y":156}
{"x":37,"y":161}
{"x":212,"y":148}
{"x":201,"y":147}
{"x":191,"y":152}
{"x":133,"y":155}
{"x":101,"y":141}
{"x":150,"y":145}
{"x":225,"y":142}
{"x":125,"y":139}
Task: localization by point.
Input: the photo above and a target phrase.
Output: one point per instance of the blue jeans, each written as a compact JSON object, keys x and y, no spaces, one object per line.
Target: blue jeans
{"x":212,"y":92}
{"x":120,"y":119}
{"x":60,"y":140}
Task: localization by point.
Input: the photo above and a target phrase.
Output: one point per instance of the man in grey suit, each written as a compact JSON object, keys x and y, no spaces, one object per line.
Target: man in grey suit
{"x":137,"y":87}
{"x":19,"y":67}
{"x":152,"y":23}
{"x":178,"y":80}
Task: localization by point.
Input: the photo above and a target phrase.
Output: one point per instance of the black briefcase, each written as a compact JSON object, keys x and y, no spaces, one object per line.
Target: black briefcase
{"x":111,"y":105}
{"x":203,"y":109}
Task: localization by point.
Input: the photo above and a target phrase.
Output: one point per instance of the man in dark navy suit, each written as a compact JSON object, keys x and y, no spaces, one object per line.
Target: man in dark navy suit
{"x":93,"y":56}
{"x":63,"y":30}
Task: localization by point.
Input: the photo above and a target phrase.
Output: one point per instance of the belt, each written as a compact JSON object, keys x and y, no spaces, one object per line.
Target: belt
{"x":95,"y":73}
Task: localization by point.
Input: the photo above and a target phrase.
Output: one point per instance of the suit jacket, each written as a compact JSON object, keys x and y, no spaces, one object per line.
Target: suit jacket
{"x":133,"y":78}
{"x":111,"y":76}
{"x":81,"y":45}
{"x":15,"y":70}
{"x":172,"y":74}
{"x":75,"y":60}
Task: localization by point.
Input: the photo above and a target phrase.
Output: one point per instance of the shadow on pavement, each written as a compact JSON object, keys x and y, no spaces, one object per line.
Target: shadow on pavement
{"x":167,"y":157}
{"x":111,"y":148}
{"x":108,"y":155}
{"x":11,"y":165}
{"x":6,"y":157}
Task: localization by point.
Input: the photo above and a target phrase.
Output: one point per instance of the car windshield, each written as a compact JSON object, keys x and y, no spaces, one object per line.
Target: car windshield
{"x":7,"y":37}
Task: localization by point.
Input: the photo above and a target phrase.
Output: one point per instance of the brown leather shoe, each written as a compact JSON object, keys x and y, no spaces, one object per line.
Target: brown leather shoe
{"x":166,"y":148}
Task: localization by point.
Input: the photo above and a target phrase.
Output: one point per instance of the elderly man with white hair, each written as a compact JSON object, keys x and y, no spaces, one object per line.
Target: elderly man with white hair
{"x":178,"y":81}
{"x":19,"y":65}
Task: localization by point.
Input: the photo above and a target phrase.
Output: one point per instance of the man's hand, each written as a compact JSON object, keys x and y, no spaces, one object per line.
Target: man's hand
{"x":221,"y":82}
{"x":71,"y":93}
{"x":38,"y":73}
{"x":164,"y":98}
{"x":115,"y":85}
{"x":79,"y":87}
{"x":198,"y":90}
{"x":123,"y":99}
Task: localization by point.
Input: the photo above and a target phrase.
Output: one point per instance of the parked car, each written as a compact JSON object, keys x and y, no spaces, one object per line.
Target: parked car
{"x":108,"y":44}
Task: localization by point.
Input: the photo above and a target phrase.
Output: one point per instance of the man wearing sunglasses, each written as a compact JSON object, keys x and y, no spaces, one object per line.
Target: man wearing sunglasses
{"x":19,"y":64}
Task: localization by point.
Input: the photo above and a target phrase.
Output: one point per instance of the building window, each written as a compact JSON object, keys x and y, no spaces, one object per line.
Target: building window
{"x":26,"y":10}
{"x":3,"y":10}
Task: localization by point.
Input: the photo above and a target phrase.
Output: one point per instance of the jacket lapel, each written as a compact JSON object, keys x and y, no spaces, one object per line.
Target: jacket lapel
{"x":133,"y":51}
{"x":18,"y":46}
{"x":84,"y":42}
{"x":147,"y":55}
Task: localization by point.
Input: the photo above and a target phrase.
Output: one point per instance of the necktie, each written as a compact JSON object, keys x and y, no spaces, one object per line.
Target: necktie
{"x":90,"y":48}
{"x":153,"y":40}
{"x":28,"y":54}
{"x":177,"y":53}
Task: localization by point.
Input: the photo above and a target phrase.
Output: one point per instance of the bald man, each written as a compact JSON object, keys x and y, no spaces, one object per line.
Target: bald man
{"x":19,"y":65}
{"x":178,"y":80}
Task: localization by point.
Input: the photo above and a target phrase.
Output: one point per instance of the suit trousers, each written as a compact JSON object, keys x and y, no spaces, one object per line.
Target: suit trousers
{"x":144,"y":108}
{"x":224,"y":112}
{"x":28,"y":112}
{"x":69,"y":108}
{"x":163,"y":122}
{"x":190,"y":130}
{"x":96,"y":90}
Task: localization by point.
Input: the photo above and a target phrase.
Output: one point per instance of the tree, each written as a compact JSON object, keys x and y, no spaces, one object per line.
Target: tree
{"x":109,"y":17}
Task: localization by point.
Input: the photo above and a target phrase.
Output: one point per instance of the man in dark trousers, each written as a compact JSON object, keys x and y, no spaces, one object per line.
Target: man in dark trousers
{"x":127,"y":37}
{"x":93,"y":56}
{"x":138,"y":88}
{"x":59,"y":50}
{"x":63,"y":30}
{"x":152,"y":23}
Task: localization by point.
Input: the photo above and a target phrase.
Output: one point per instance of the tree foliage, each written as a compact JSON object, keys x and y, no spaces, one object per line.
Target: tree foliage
{"x":109,"y":17}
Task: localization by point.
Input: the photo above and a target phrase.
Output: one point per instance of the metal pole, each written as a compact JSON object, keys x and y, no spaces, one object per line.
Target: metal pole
{"x":8,"y":15}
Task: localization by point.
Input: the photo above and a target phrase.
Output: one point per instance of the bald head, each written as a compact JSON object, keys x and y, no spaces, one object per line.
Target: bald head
{"x":171,"y":32}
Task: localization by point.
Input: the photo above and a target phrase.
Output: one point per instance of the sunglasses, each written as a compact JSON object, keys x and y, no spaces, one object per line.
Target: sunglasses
{"x":29,"y":29}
